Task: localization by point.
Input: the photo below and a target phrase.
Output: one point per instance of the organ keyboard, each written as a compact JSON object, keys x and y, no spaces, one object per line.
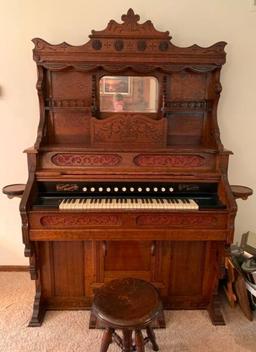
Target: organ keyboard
{"x":128,"y":203}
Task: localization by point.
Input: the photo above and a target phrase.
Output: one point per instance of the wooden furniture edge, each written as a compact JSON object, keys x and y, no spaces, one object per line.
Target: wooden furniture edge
{"x":14,"y":268}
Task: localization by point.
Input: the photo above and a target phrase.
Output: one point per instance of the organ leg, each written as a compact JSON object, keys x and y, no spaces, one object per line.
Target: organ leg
{"x":214,"y":309}
{"x":38,"y":310}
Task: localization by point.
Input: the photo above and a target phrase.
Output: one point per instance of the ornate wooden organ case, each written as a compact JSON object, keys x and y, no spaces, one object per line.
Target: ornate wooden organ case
{"x":127,"y":112}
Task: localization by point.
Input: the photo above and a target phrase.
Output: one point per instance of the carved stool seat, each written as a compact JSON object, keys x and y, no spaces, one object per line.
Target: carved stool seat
{"x":129,"y":305}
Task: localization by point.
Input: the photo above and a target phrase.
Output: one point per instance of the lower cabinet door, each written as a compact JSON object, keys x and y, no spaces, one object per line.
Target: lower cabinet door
{"x":147,"y":260}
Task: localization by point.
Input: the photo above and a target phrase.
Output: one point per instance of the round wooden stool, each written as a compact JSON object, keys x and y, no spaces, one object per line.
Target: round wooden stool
{"x":129,"y":305}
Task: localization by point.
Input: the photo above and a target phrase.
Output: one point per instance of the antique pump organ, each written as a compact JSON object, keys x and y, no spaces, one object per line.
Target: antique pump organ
{"x":128,"y":175}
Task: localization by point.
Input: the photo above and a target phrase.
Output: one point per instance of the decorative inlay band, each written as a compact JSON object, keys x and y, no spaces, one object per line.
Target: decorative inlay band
{"x":80,"y":220}
{"x":66,"y":103}
{"x":177,"y":220}
{"x":181,"y":161}
{"x":198,"y":105}
{"x":69,"y":159}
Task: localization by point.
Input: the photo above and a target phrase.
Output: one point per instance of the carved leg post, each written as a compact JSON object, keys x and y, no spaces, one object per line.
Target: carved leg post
{"x":127,"y":340}
{"x":152,"y":338}
{"x":106,"y":340}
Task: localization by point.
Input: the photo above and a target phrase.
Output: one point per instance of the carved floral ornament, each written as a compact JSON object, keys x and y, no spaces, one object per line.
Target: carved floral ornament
{"x":80,"y":220}
{"x":129,"y":129}
{"x":177,"y":220}
{"x":82,"y":160}
{"x":178,"y":161}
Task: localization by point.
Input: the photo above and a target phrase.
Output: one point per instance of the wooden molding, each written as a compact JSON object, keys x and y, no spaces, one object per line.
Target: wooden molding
{"x":14,"y":268}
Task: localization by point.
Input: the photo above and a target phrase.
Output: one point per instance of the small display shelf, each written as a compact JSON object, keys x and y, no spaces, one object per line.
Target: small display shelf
{"x":241,"y":192}
{"x":15,"y":190}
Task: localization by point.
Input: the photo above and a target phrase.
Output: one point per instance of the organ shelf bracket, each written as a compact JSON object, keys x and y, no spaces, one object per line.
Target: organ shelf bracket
{"x":241,"y":192}
{"x":15,"y":190}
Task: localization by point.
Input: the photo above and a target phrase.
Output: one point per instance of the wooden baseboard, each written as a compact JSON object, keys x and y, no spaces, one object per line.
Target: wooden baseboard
{"x":14,"y":268}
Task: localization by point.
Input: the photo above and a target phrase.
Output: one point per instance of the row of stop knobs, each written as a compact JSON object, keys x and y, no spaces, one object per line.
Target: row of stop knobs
{"x":128,"y":189}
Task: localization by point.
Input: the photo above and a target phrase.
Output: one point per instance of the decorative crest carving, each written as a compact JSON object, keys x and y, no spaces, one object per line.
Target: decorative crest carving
{"x":133,"y":38}
{"x":130,"y":27}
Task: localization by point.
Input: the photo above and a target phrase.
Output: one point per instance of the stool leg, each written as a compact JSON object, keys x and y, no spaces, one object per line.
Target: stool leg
{"x":152,"y":338}
{"x":106,"y":339}
{"x":139,"y":341}
{"x":127,"y":340}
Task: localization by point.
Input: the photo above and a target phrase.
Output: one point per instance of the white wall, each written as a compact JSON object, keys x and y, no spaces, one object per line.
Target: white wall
{"x":189,"y":21}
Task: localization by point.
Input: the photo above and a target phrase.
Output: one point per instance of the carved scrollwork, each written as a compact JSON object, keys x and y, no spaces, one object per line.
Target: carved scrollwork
{"x":128,"y":129}
{"x":115,"y":68}
{"x":177,"y":220}
{"x":162,"y":160}
{"x":82,"y":160}
{"x":70,"y":220}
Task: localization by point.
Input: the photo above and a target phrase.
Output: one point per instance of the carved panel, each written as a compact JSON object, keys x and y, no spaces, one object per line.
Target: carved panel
{"x":128,"y":128}
{"x":161,"y":160}
{"x":82,"y":160}
{"x":73,"y":220}
{"x":186,"y":220}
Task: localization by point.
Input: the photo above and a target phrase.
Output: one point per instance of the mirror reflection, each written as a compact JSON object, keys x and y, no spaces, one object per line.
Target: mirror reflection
{"x":129,"y":94}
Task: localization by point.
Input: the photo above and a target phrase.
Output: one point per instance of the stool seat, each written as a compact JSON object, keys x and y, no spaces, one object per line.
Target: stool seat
{"x":127,"y":304}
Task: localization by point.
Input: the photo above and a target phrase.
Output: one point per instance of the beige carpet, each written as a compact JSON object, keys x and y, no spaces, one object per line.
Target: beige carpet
{"x":68,"y":331}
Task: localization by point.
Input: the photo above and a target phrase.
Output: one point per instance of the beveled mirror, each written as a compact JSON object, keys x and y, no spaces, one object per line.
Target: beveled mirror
{"x":129,"y":94}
